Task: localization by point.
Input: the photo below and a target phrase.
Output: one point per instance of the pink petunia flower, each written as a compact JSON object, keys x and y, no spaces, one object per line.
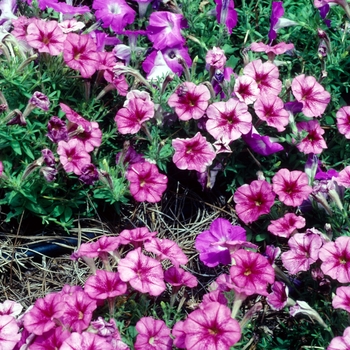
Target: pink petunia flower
{"x":343,"y":121}
{"x":210,"y":328}
{"x":216,"y":58}
{"x":195,"y":153}
{"x":278,"y":298}
{"x":9,"y":335}
{"x":51,"y":340}
{"x":179,"y":334}
{"x":270,"y":108}
{"x":286,"y":226}
{"x":164,"y":29}
{"x":177,"y":277}
{"x":343,"y":178}
{"x":304,"y":249}
{"x":116,"y":14}
{"x":246,"y":89}
{"x":73,"y":156}
{"x":311,"y":94}
{"x":216,"y":296}
{"x":251,"y":273}
{"x":71,"y":25}
{"x":11,"y":308}
{"x":210,"y":243}
{"x":313,"y":141}
{"x":292,"y":187}
{"x":85,"y":341}
{"x":166,"y":249}
{"x":253,"y":200}
{"x":80,"y":53}
{"x":144,"y":274}
{"x":335,"y":258}
{"x":46,"y":36}
{"x":190,"y":101}
{"x":341,"y":343}
{"x":228,"y":120}
{"x":146,"y":183}
{"x":277,"y":49}
{"x":130,"y":119}
{"x":266,"y":76}
{"x":40,"y":318}
{"x":136,"y":236}
{"x":341,"y":299}
{"x":104,"y":284}
{"x":152,"y":335}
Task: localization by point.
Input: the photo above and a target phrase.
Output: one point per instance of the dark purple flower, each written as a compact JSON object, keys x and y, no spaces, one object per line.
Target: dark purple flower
{"x":293,"y":107}
{"x":48,"y":156}
{"x":276,"y":13}
{"x":57,"y":130}
{"x":323,"y":13}
{"x":17,"y":119}
{"x":89,"y":174}
{"x":49,"y":173}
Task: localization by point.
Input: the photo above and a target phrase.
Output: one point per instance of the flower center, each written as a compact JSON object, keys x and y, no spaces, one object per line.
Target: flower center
{"x":114,"y":9}
{"x":151,"y":340}
{"x":247,"y":272}
{"x":81,"y":315}
{"x":342,"y":260}
{"x":213,"y":331}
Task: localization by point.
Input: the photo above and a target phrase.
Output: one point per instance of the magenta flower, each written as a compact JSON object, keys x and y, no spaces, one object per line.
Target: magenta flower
{"x":80,"y":53}
{"x":343,"y":178}
{"x":179,"y":334}
{"x":51,"y":340}
{"x":226,"y":13}
{"x":342,"y":298}
{"x":313,"y":141}
{"x":116,"y":14}
{"x":166,"y":249}
{"x":292,"y":187}
{"x":251,"y":273}
{"x":266,"y":76}
{"x":195,"y":153}
{"x":228,"y":120}
{"x":85,"y":341}
{"x":277,"y":49}
{"x":46,"y":36}
{"x":304,"y":249}
{"x":190,"y":101}
{"x":136,"y":236}
{"x":286,"y":226}
{"x":130,"y":119}
{"x":211,"y":243}
{"x":152,"y":335}
{"x":276,"y":13}
{"x":177,"y":277}
{"x":73,"y":156}
{"x":144,"y":274}
{"x":78,"y":311}
{"x":146,"y":183}
{"x":40,"y":318}
{"x":278,"y":298}
{"x":343,"y":121}
{"x":62,"y":7}
{"x":246,"y":89}
{"x":211,"y":328}
{"x":335,"y":258}
{"x":341,"y":343}
{"x":164,"y":29}
{"x":57,"y":130}
{"x":311,"y":94}
{"x":9,"y":335}
{"x":216,"y":58}
{"x":253,"y":200}
{"x":105,"y":284}
{"x":270,"y":108}
{"x":216,"y":296}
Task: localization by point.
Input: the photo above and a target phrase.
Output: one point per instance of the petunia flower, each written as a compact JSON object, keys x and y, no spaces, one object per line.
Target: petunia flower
{"x":9,"y":307}
{"x":246,"y":89}
{"x":266,"y":76}
{"x":278,"y":298}
{"x":190,"y":101}
{"x":226,"y":14}
{"x":144,"y":274}
{"x":335,"y":257}
{"x":270,"y":108}
{"x":57,"y":130}
{"x":136,"y":236}
{"x":292,"y":187}
{"x":9,"y":335}
{"x":177,"y":277}
{"x":146,"y":183}
{"x":210,"y":243}
{"x":210,"y":328}
{"x":286,"y":225}
{"x":152,"y":335}
{"x":313,"y":142}
{"x":89,"y":174}
{"x":311,"y":94}
{"x":164,"y":29}
{"x":51,"y":340}
{"x":277,"y":49}
{"x":73,"y":156}
{"x":277,"y":12}
{"x":341,"y":299}
{"x":216,"y":58}
{"x":301,"y":307}
{"x":343,"y":121}
{"x":62,"y":7}
{"x":214,"y":296}
{"x":304,"y":249}
{"x":166,"y":249}
{"x":85,"y":341}
{"x":195,"y":153}
{"x":341,"y":343}
{"x":80,"y":53}
{"x":228,"y":120}
{"x":116,"y":14}
{"x":343,"y":178}
{"x":71,"y":25}
{"x":46,"y":36}
{"x":251,"y":273}
{"x":253,"y":200}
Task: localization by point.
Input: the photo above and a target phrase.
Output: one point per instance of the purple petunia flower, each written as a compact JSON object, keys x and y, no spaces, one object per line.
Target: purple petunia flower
{"x":226,"y":13}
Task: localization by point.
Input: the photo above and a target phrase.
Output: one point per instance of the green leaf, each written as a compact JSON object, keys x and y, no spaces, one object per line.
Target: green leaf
{"x":68,"y":212}
{"x":16,"y":147}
